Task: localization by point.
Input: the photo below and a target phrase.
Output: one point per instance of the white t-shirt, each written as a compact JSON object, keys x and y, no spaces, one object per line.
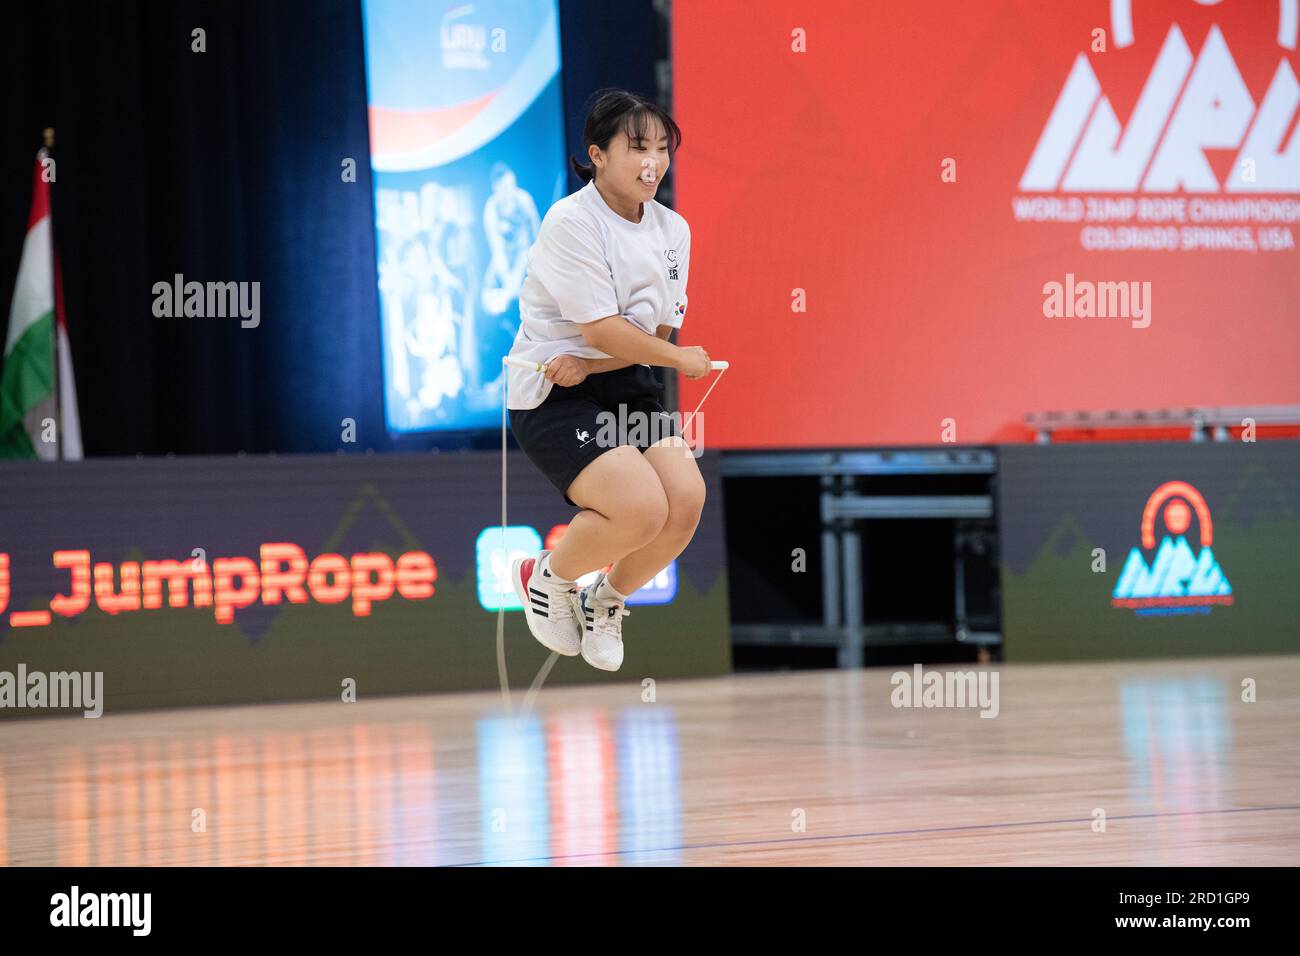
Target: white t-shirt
{"x":588,"y":263}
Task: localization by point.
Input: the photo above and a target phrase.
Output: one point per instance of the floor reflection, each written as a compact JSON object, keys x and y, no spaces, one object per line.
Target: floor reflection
{"x":575,"y":788}
{"x":576,"y":785}
{"x":1177,"y":735}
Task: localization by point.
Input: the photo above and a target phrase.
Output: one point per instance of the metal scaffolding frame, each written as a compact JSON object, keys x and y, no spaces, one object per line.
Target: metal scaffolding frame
{"x":842,"y":509}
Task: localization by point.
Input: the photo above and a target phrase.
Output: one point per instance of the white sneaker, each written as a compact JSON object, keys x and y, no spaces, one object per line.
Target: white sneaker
{"x":602,"y":629}
{"x":550,"y":609}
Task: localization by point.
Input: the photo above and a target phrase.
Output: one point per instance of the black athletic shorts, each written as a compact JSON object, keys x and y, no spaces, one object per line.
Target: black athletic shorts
{"x":574,"y":426}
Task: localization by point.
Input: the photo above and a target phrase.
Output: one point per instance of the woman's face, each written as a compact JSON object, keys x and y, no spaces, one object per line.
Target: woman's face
{"x":634,"y":169}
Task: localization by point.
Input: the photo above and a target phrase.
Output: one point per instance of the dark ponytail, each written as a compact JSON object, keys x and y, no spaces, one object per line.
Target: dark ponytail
{"x":618,"y":110}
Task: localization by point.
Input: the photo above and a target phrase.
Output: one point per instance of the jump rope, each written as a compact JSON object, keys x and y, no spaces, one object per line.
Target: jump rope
{"x":540,"y":367}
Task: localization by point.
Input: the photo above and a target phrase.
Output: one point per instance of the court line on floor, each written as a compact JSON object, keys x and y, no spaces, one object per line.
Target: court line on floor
{"x":879,"y":833}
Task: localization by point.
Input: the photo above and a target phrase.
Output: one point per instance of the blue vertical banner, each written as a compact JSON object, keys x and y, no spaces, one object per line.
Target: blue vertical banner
{"x":467,"y":153}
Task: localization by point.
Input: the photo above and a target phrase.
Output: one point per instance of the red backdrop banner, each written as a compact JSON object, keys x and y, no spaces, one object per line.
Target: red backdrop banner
{"x":909,"y":213}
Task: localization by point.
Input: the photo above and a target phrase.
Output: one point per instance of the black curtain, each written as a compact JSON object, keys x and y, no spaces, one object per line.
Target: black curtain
{"x":225,"y":165}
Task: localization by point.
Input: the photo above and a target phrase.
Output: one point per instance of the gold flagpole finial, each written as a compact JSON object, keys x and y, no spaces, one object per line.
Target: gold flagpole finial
{"x":49,"y":137}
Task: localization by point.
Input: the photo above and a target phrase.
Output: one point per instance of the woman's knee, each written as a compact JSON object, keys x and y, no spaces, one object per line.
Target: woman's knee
{"x":644,"y":515}
{"x":683,"y":485}
{"x":685,"y":505}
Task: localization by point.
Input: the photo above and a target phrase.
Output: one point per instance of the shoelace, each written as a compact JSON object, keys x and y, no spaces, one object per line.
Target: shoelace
{"x":569,"y":603}
{"x":606,"y":620}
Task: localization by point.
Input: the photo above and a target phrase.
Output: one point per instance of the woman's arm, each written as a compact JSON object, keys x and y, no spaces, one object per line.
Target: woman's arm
{"x":616,"y":336}
{"x":606,"y":365}
{"x":614,"y":364}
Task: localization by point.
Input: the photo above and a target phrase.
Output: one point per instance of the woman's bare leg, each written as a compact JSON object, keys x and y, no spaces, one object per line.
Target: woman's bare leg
{"x":624,"y":508}
{"x":683,"y":486}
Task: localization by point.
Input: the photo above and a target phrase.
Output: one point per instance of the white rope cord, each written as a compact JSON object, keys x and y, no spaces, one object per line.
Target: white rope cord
{"x":502,"y":676}
{"x":722,"y":368}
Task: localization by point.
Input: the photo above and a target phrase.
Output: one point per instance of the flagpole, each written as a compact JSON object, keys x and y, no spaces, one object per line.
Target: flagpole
{"x":58,"y":383}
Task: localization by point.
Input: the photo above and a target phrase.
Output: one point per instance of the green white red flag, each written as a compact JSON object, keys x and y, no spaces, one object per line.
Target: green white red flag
{"x":36,"y":382}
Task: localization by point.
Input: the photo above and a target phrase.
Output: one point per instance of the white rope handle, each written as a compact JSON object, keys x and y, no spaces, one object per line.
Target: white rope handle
{"x":520,"y":363}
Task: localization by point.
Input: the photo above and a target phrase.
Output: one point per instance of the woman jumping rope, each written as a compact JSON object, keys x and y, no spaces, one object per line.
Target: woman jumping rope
{"x":606,"y":285}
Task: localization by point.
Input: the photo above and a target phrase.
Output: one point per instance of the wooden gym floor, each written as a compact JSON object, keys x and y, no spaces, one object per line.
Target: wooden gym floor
{"x":809,"y":768}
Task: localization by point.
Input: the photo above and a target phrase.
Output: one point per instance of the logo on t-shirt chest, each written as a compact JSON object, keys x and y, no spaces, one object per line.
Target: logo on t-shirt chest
{"x":671,"y":256}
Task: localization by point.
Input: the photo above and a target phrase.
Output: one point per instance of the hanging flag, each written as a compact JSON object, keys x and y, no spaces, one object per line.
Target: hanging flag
{"x":36,"y":382}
